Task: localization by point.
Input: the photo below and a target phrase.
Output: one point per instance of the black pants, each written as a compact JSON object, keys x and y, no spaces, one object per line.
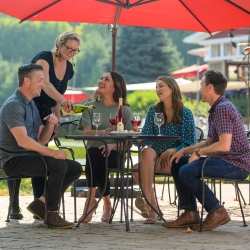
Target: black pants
{"x":61,"y":174}
{"x":98,"y":168}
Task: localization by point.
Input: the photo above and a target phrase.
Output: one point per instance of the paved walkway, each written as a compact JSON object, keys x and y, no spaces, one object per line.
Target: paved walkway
{"x":31,"y":234}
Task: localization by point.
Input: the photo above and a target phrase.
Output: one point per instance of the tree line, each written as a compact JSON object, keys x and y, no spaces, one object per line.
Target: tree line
{"x":142,"y":53}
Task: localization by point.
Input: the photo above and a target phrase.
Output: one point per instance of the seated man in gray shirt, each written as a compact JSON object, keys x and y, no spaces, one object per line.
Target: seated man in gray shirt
{"x":21,"y":129}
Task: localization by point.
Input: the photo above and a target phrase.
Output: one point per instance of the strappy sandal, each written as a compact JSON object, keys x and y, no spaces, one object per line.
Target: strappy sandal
{"x":89,"y":217}
{"x":140,"y":204}
{"x":104,"y":217}
{"x":151,"y":220}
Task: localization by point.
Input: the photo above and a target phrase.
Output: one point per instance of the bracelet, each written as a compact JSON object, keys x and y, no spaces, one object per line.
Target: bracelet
{"x":63,"y":101}
{"x":197,"y":152}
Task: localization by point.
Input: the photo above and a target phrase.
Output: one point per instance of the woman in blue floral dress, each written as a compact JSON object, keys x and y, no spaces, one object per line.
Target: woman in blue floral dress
{"x":179,"y":121}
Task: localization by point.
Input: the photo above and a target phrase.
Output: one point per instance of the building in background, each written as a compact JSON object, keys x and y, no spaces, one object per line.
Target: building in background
{"x":223,"y":51}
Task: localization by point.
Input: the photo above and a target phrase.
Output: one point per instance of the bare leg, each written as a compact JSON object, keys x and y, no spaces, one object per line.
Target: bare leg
{"x":106,"y":208}
{"x":92,"y":202}
{"x":147,"y":175}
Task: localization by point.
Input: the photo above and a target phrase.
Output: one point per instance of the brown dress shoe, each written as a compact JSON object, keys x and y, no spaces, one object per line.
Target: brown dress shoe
{"x":187,"y":219}
{"x":214,"y":219}
{"x":37,"y":208}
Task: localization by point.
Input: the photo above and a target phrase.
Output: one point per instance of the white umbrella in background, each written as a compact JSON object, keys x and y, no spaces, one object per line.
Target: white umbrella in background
{"x":186,"y":86}
{"x":146,"y":86}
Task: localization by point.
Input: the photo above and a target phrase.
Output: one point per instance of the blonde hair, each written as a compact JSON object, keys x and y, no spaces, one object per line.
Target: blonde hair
{"x":62,"y":39}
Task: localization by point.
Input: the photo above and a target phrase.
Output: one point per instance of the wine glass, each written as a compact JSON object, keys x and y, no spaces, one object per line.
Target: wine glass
{"x":136,"y":121}
{"x":159,"y":120}
{"x":97,"y":120}
{"x":112,"y":120}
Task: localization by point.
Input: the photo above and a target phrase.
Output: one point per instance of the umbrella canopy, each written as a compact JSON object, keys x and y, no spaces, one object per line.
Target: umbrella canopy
{"x":206,"y":15}
{"x":212,"y":15}
{"x":76,"y":96}
{"x":191,"y":71}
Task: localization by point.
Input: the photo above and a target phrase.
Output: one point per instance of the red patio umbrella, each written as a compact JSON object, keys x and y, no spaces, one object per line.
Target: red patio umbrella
{"x":76,"y":95}
{"x":202,"y":15}
{"x":190,"y":72}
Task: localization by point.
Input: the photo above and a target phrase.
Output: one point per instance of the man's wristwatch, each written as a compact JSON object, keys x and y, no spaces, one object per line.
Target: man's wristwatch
{"x":197,"y":152}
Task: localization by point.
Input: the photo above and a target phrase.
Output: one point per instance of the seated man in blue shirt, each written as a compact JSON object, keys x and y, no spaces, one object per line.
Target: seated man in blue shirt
{"x":226,"y":132}
{"x":21,"y":130}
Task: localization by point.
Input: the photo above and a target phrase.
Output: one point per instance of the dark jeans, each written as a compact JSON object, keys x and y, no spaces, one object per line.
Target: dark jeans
{"x":187,"y":178}
{"x":61,"y":174}
{"x":98,"y":168}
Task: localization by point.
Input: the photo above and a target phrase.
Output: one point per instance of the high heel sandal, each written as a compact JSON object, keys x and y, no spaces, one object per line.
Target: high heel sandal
{"x":106,"y":218}
{"x":140,"y":204}
{"x":154,"y":219}
{"x":89,"y":217}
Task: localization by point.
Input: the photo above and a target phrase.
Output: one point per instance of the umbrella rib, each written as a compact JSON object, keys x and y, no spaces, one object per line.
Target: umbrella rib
{"x":126,"y":5}
{"x":237,"y":6}
{"x":44,"y":8}
{"x":195,"y":17}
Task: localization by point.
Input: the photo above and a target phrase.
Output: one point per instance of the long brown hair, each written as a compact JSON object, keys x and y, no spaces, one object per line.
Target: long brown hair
{"x":176,"y":100}
{"x":120,"y":88}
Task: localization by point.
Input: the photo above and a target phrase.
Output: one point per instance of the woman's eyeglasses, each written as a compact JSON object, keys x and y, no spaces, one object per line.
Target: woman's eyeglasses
{"x":75,"y":51}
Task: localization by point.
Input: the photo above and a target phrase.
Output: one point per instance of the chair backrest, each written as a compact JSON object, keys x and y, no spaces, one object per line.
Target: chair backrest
{"x":74,"y":149}
{"x":199,"y":134}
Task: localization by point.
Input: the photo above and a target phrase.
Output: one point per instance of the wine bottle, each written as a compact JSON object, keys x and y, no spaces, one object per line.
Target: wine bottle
{"x":78,"y":109}
{"x":120,"y":117}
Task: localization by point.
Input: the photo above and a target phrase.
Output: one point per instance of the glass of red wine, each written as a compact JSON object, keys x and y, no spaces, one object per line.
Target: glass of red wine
{"x":136,"y":121}
{"x":112,"y":120}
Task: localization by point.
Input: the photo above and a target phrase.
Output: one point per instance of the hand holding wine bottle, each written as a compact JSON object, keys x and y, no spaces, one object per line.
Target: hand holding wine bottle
{"x":77,"y":109}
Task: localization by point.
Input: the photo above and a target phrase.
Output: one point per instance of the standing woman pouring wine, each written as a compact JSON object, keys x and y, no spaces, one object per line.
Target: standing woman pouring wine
{"x":57,"y":72}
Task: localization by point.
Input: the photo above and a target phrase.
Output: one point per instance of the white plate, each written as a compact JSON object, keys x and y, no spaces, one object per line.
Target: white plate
{"x":124,"y":133}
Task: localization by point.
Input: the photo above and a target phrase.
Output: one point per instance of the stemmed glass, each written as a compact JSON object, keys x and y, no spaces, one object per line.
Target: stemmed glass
{"x":136,"y":121}
{"x":159,"y":120}
{"x":112,"y":120}
{"x":97,"y":120}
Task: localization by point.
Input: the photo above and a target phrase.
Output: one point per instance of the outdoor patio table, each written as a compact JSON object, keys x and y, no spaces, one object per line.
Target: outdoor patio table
{"x":122,"y":139}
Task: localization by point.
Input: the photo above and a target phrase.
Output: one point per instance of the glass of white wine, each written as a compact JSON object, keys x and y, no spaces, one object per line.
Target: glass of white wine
{"x":97,"y":120}
{"x":159,"y":120}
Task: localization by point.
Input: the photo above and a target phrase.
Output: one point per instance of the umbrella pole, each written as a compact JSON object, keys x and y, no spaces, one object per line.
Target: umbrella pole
{"x":114,"y":35}
{"x":248,"y":82}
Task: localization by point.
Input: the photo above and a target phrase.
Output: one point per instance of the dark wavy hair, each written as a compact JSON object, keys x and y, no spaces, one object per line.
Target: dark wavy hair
{"x":120,"y":88}
{"x":176,"y":99}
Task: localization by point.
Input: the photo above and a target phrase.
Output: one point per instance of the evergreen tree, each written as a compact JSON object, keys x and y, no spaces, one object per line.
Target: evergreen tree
{"x":177,"y":36}
{"x":145,"y":53}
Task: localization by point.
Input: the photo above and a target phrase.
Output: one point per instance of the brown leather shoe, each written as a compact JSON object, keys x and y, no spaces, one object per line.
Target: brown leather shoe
{"x":214,"y":219}
{"x":187,"y":219}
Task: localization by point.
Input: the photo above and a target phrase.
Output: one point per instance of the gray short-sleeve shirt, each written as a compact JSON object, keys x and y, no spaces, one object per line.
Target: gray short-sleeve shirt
{"x":17,"y":111}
